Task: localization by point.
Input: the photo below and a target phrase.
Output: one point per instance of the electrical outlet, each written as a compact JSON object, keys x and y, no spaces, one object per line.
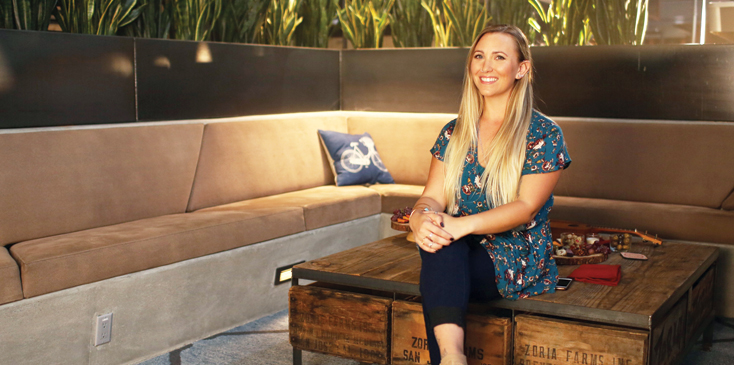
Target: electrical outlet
{"x":104,"y":329}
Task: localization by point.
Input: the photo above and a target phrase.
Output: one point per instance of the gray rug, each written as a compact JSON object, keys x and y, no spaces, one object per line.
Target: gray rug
{"x":265,"y":342}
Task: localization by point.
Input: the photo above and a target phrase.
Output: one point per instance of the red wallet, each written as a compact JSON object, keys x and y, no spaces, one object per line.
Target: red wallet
{"x":598,"y":274}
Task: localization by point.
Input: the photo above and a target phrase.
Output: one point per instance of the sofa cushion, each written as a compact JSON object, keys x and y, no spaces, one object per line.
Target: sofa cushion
{"x":322,"y":206}
{"x":261,"y":157}
{"x":729,"y":202}
{"x":60,"y":180}
{"x":10,"y":288}
{"x":685,"y":163}
{"x":408,"y":163}
{"x":669,"y":221}
{"x":398,"y":196}
{"x":59,"y":262}
{"x":354,"y":159}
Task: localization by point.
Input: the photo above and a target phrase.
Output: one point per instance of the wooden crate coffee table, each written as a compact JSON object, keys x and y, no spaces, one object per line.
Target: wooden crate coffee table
{"x":652,"y":317}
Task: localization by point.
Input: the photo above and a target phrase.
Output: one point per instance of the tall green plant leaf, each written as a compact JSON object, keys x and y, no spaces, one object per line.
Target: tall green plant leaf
{"x":563,"y":23}
{"x":363,"y":22}
{"x":513,"y":12}
{"x":410,"y":24}
{"x":6,"y":14}
{"x":456,"y":22}
{"x":281,"y":22}
{"x":241,"y":21}
{"x":619,"y":21}
{"x":318,"y":23}
{"x":154,"y":20}
{"x":195,"y":19}
{"x":26,"y":14}
{"x":100,"y":17}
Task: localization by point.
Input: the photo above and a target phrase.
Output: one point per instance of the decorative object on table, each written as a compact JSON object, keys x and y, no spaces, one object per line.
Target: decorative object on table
{"x":576,"y":249}
{"x":354,"y":159}
{"x":598,"y":274}
{"x":558,"y":226}
{"x":621,"y":242}
{"x":400,"y":221}
{"x":633,"y":256}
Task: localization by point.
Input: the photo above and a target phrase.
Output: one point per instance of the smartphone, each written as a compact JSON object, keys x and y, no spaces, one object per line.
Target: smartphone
{"x":563,"y":283}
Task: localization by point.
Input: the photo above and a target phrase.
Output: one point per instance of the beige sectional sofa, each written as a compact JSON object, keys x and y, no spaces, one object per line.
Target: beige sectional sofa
{"x":177,"y":227}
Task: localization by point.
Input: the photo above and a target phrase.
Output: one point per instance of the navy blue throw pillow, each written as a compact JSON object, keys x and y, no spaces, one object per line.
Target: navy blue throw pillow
{"x":354,"y":158}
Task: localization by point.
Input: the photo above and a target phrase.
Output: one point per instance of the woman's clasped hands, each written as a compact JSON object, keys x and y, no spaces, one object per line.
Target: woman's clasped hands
{"x":430,"y":230}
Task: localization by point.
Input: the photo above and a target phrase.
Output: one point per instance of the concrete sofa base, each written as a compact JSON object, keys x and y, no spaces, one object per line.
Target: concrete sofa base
{"x":158,"y":310}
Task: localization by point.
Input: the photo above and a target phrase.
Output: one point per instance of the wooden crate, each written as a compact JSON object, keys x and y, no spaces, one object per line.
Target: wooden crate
{"x":701,"y":303}
{"x":488,"y":338}
{"x":350,"y":325}
{"x":669,"y":337}
{"x":540,"y":340}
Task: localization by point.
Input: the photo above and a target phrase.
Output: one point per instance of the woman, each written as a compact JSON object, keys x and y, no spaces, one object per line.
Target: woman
{"x":493,"y":171}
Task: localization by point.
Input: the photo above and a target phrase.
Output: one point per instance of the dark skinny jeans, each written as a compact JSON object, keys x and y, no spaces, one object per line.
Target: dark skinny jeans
{"x":457,"y":273}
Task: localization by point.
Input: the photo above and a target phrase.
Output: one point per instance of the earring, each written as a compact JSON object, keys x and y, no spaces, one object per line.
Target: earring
{"x":519,"y":76}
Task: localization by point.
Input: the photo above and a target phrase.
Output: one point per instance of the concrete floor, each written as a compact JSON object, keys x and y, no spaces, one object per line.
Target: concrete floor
{"x":265,"y":341}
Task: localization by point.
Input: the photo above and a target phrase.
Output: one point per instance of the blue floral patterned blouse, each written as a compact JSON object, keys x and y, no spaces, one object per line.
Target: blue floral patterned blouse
{"x":522,"y":257}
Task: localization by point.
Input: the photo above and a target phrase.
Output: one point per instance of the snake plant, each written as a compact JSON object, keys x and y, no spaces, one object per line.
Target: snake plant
{"x":456,"y":22}
{"x":26,"y":14}
{"x":99,"y":17}
{"x":618,"y":21}
{"x":195,"y":19}
{"x":281,"y":22}
{"x":318,"y":23}
{"x":410,"y":24}
{"x":564,"y":23}
{"x":363,"y":22}
{"x":241,"y":21}
{"x":514,"y":12}
{"x":154,"y":21}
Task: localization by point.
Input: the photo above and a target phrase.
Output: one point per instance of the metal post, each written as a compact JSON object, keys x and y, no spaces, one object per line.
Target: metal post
{"x":297,"y":354}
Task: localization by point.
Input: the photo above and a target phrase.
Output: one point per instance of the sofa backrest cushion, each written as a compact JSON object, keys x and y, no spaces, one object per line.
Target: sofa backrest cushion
{"x":62,"y":180}
{"x":404,"y":141}
{"x":687,"y":163}
{"x":256,"y":157}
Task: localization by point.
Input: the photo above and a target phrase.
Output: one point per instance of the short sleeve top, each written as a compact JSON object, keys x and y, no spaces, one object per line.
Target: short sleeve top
{"x":523,"y":260}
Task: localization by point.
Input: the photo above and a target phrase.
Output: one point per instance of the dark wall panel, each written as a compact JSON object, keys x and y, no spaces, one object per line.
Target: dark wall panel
{"x":237,"y":80}
{"x":403,"y":80}
{"x":648,"y":82}
{"x":51,"y":79}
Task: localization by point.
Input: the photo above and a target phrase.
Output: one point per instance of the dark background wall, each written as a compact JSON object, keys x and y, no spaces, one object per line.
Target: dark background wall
{"x":238,"y":80}
{"x":57,"y":79}
{"x":50,"y":79}
{"x":645,"y":82}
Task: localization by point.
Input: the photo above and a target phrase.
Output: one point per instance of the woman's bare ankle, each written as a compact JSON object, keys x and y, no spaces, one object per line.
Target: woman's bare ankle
{"x":453,"y":359}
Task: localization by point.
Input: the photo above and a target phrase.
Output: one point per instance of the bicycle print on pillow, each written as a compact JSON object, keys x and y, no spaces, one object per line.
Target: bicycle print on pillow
{"x":354,"y":159}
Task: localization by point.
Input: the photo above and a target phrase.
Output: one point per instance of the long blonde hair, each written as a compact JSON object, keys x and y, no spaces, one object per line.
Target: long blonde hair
{"x":506,"y":153}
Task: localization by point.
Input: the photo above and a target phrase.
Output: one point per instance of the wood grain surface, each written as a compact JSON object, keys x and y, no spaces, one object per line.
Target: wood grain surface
{"x":354,"y":326}
{"x":701,"y":302}
{"x":646,"y":292}
{"x":488,"y":338}
{"x":596,"y":258}
{"x":549,"y":341}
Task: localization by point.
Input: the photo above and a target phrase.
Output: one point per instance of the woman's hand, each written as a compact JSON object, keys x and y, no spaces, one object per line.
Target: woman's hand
{"x":428,"y":232}
{"x":457,"y":227}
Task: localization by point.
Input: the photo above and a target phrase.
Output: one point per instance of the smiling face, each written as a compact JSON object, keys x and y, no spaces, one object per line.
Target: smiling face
{"x":496,"y":65}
